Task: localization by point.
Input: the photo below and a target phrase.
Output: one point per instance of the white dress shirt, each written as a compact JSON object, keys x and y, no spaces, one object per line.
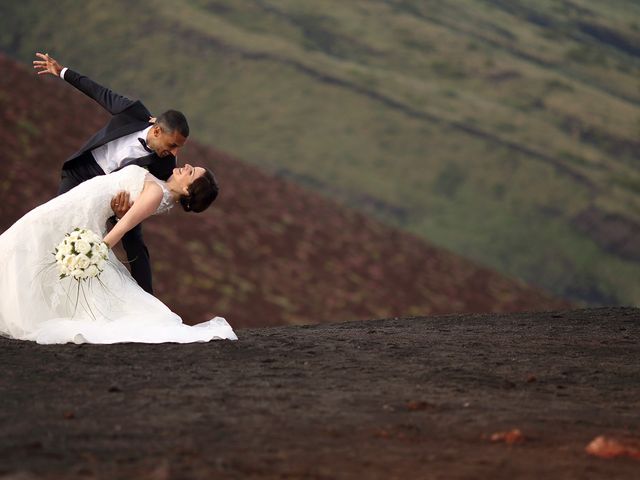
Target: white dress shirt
{"x":116,"y":153}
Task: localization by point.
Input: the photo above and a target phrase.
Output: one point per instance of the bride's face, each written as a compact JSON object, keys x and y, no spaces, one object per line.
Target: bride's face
{"x":185,"y":176}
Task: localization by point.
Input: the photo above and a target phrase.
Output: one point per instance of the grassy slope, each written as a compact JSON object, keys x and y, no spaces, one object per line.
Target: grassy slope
{"x":486,"y":126}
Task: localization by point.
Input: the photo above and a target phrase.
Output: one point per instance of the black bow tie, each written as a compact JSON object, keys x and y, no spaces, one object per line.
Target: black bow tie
{"x":144,"y":144}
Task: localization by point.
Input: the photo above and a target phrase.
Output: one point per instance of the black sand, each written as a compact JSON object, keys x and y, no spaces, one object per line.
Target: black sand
{"x":397,"y":398}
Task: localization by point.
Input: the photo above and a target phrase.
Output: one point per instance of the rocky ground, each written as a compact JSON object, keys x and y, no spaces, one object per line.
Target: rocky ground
{"x":397,"y":398}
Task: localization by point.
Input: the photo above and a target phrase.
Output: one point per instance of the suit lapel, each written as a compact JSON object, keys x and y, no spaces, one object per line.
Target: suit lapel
{"x":159,"y":167}
{"x":162,"y":167}
{"x":145,"y":161}
{"x":117,"y":133}
{"x":132,"y":119}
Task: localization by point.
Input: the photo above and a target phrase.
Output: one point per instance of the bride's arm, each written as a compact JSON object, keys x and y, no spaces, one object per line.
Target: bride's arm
{"x":143,"y":207}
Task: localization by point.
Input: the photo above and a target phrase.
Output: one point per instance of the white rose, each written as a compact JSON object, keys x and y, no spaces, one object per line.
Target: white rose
{"x":59,"y":256}
{"x":101,"y":264}
{"x":82,"y":261}
{"x":91,"y":271}
{"x":69,"y":261}
{"x":103,"y":249}
{"x":65,"y":248}
{"x":77,"y":273}
{"x":74,"y":235}
{"x":97,"y":251}
{"x":82,"y":246}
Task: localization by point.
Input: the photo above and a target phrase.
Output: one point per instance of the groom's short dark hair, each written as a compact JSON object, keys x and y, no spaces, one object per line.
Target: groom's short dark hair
{"x":173,"y":120}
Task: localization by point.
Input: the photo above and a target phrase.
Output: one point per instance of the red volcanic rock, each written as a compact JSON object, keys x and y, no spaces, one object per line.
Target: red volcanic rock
{"x":510,"y":437}
{"x":418,"y":405}
{"x":268,"y":252}
{"x":610,"y":447}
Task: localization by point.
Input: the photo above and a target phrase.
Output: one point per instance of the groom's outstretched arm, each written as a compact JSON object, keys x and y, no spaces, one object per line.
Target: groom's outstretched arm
{"x":113,"y":102}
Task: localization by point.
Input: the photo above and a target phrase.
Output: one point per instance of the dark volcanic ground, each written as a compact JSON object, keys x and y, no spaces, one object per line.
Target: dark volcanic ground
{"x":398,"y":398}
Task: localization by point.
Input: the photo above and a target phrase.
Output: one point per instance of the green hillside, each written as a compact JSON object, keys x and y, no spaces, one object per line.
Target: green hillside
{"x":504,"y":132}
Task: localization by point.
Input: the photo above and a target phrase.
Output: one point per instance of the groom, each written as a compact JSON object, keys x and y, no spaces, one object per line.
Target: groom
{"x":132,"y":136}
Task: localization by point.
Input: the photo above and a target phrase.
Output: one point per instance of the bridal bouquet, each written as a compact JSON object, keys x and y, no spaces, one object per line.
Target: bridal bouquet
{"x":81,"y":254}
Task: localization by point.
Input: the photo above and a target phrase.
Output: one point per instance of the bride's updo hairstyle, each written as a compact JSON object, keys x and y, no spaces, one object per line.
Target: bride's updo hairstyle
{"x":202,"y":192}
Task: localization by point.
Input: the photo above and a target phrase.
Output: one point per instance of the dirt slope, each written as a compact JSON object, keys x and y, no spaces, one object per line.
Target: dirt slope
{"x":269,"y":252}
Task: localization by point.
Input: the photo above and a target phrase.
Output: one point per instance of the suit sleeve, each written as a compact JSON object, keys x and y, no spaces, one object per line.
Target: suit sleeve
{"x":113,"y":102}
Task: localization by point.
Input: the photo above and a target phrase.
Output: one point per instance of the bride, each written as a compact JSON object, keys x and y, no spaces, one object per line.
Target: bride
{"x":37,"y":305}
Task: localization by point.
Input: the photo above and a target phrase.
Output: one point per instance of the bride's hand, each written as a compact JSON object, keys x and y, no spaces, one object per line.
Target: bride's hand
{"x":47,"y":65}
{"x":120,"y":204}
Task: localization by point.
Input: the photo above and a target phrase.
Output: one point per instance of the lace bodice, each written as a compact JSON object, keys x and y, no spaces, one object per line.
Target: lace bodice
{"x":167,"y":200}
{"x":131,"y":179}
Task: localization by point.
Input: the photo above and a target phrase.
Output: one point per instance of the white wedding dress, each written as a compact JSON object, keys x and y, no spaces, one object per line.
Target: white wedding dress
{"x":35,"y":304}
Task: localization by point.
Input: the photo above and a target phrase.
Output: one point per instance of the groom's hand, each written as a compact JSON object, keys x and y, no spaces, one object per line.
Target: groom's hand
{"x":47,"y":65}
{"x":120,"y":204}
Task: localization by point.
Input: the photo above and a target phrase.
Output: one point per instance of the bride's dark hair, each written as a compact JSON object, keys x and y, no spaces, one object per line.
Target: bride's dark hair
{"x":202,"y":192}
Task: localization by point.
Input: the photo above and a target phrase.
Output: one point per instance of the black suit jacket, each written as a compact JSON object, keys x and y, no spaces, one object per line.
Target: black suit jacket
{"x":128,"y":116}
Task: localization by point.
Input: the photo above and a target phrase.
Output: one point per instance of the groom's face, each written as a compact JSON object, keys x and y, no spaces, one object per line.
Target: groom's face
{"x":165,"y":143}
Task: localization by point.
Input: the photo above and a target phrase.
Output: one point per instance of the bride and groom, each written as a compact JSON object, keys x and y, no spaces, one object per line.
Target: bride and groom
{"x":124,"y":173}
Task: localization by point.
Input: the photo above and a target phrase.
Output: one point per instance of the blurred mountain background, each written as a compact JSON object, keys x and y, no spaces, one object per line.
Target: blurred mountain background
{"x":268,"y":252}
{"x":506,"y":131}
